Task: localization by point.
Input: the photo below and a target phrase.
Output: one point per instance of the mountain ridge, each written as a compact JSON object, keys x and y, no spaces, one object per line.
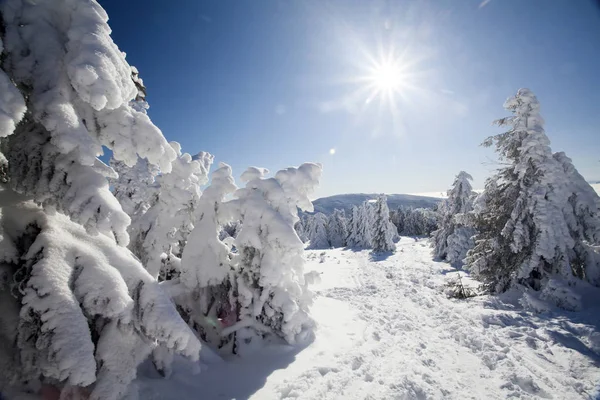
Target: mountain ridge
{"x":345,"y":202}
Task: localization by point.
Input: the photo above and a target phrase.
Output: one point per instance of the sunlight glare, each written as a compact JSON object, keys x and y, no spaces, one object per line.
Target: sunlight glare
{"x":387,"y":77}
{"x":332,"y":151}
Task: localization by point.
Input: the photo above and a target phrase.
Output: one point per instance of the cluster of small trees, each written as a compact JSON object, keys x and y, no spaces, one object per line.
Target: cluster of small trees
{"x":94,"y":280}
{"x":537,"y":223}
{"x":415,"y":221}
{"x":368,"y":227}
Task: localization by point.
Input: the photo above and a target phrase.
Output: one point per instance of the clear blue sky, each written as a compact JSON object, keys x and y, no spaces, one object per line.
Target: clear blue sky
{"x":275,"y":83}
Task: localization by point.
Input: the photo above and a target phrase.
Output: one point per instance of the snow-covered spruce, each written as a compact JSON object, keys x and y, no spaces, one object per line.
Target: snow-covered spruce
{"x":453,"y":239}
{"x":271,"y":287}
{"x":365,"y":226}
{"x":317,"y":235}
{"x":206,"y":280}
{"x":80,"y":309}
{"x":526,"y":229}
{"x":416,"y":221}
{"x":337,"y":230}
{"x":78,"y":87}
{"x":160,"y":234}
{"x":583,"y":217}
{"x":353,"y":240}
{"x":383,"y":229}
{"x":61,"y":276}
{"x":300,"y":228}
{"x":135,"y":188}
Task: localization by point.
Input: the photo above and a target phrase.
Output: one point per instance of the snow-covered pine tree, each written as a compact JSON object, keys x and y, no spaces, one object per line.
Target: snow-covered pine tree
{"x":383,"y":231}
{"x":583,"y":217}
{"x":523,"y":236}
{"x":453,"y":239}
{"x":78,"y":308}
{"x":135,"y":187}
{"x":318,"y":232}
{"x":337,"y":230}
{"x":365,"y":226}
{"x":398,"y":218}
{"x":353,"y":239}
{"x":270,"y":284}
{"x":412,"y":223}
{"x":162,"y":231}
{"x":206,"y":272}
{"x":302,"y":228}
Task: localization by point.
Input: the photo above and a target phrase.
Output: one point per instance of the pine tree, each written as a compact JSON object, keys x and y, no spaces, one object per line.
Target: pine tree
{"x":353,"y":240}
{"x":383,"y":232}
{"x":318,"y":232}
{"x":453,"y":239}
{"x":523,"y":236}
{"x":78,"y":306}
{"x":135,"y":187}
{"x":365,"y":226}
{"x":206,"y":271}
{"x":337,"y":229}
{"x":583,"y":217}
{"x":162,"y":231}
{"x":270,"y":284}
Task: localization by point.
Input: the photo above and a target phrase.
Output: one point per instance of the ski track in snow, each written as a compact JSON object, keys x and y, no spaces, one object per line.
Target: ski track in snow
{"x":388,"y":331}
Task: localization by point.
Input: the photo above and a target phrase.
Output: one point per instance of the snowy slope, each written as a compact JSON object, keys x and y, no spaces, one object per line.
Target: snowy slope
{"x":596,"y":187}
{"x":387,"y":331}
{"x":326,"y":205}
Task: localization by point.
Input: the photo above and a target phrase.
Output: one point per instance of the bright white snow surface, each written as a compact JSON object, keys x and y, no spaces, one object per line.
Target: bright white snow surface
{"x":388,"y":331}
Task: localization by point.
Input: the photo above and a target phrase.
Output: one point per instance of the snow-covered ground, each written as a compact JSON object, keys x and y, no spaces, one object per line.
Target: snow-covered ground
{"x":388,"y":331}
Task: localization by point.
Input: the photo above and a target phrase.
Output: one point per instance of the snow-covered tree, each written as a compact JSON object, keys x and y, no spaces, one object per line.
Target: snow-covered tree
{"x":318,"y":232}
{"x":135,"y":187}
{"x":419,"y":221}
{"x":79,"y":309}
{"x":301,"y":228}
{"x":583,"y":217}
{"x":365,"y":226}
{"x":205,"y":278}
{"x":523,"y":234}
{"x":397,"y":218}
{"x":162,"y":231}
{"x":337,"y":229}
{"x":271,"y":287}
{"x":353,"y":239}
{"x":383,"y":229}
{"x":453,"y":239}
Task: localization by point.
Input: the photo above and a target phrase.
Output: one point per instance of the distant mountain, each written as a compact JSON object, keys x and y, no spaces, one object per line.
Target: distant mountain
{"x":326,"y":205}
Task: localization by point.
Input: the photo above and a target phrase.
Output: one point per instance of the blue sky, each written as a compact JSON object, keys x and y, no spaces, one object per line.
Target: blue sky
{"x":277,"y":83}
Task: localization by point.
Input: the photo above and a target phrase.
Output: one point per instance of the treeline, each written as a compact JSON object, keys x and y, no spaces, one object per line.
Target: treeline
{"x":360,"y":227}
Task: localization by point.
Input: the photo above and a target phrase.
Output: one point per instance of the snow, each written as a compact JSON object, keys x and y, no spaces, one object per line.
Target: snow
{"x":386,"y":330}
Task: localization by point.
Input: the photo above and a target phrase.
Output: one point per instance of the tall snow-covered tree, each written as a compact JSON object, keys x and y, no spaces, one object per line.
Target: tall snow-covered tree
{"x":383,"y":229}
{"x":453,"y":239}
{"x":583,"y":217}
{"x":135,"y":187}
{"x":365,"y":226}
{"x":337,"y":230}
{"x":205,"y":282}
{"x":318,"y":232}
{"x":271,"y":287}
{"x":354,"y":239}
{"x":78,"y":307}
{"x":523,"y":234}
{"x":162,"y":231}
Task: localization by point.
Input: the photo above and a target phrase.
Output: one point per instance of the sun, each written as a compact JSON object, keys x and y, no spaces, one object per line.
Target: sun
{"x":387,"y":77}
